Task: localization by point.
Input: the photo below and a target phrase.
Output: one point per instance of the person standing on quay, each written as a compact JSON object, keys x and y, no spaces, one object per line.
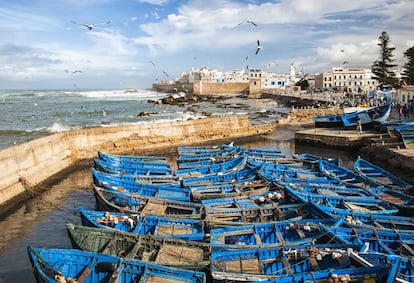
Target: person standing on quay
{"x":359,"y":126}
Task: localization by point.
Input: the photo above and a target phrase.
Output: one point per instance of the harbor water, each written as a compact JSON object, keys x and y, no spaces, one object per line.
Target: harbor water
{"x":40,"y":222}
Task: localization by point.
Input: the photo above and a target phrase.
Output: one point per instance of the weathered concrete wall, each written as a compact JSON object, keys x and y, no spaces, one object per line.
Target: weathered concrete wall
{"x":201,"y":87}
{"x":37,"y":160}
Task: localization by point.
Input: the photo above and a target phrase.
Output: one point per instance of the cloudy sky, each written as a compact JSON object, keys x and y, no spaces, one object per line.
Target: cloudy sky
{"x":42,"y":43}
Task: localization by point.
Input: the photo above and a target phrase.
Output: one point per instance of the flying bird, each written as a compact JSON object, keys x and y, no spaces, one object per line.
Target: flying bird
{"x":165,"y":73}
{"x":342,"y":50}
{"x":73,"y":72}
{"x":152,"y":63}
{"x":249,"y":22}
{"x":258,"y":47}
{"x":89,"y":26}
{"x":247,"y":57}
{"x":345,"y":62}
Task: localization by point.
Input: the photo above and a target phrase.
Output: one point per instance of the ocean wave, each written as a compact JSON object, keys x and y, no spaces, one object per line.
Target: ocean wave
{"x":57,"y":128}
{"x":121,"y":94}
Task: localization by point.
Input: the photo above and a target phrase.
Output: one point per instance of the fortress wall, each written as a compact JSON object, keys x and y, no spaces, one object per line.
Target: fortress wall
{"x":201,"y":87}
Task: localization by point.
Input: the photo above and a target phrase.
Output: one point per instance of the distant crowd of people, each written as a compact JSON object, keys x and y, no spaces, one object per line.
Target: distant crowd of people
{"x":405,"y":110}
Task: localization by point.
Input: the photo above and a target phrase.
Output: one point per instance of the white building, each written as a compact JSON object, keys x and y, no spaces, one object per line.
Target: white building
{"x":350,"y":80}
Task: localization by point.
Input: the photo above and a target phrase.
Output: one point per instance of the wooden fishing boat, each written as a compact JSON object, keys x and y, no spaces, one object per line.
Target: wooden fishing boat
{"x":150,"y":190}
{"x":236,"y":211}
{"x":312,"y":161}
{"x":159,"y":250}
{"x":403,"y":201}
{"x":345,"y":176}
{"x":406,"y":134}
{"x":187,"y":229}
{"x":255,"y":187}
{"x":391,"y":124}
{"x":240,"y":176}
{"x":378,"y":175}
{"x":257,"y":153}
{"x":121,"y":158}
{"x":364,"y":220}
{"x":294,"y":264}
{"x":375,"y":240}
{"x":235,"y":164}
{"x":112,"y":200}
{"x":134,"y":169}
{"x":197,"y":149}
{"x":221,"y":154}
{"x":272,"y":234}
{"x":327,"y":190}
{"x":328,"y":121}
{"x":131,"y":181}
{"x":70,"y":265}
{"x":364,"y":205}
{"x":367,"y":116}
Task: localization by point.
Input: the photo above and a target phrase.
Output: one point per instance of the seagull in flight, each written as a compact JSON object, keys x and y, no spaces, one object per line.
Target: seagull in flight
{"x":345,"y":62}
{"x":249,"y":22}
{"x":73,"y":72}
{"x":342,"y":50}
{"x":152,"y":63}
{"x":258,"y":47}
{"x":165,"y":73}
{"x":89,"y":26}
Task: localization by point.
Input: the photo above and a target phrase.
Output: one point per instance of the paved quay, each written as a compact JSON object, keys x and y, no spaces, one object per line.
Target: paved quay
{"x":372,"y":145}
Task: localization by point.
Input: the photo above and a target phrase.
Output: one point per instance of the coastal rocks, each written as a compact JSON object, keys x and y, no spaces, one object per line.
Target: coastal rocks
{"x":179,"y":98}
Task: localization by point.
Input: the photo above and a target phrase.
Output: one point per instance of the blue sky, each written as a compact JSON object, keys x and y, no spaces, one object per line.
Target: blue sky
{"x":40,"y":47}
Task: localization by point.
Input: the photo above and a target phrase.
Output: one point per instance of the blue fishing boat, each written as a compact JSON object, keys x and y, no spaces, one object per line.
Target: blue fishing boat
{"x":150,"y":190}
{"x":132,"y":169}
{"x":123,"y":158}
{"x":236,"y":211}
{"x":355,"y":204}
{"x":345,"y":176}
{"x":389,"y":126}
{"x":378,"y":175}
{"x":327,"y":189}
{"x":272,"y":234}
{"x":364,"y":220}
{"x":255,"y":188}
{"x":220,"y":154}
{"x":187,"y":229}
{"x":406,"y":134}
{"x":367,"y":117}
{"x":127,"y":180}
{"x":260,"y":153}
{"x":375,"y":240}
{"x":328,"y":121}
{"x":238,"y":176}
{"x":235,"y":164}
{"x":160,"y":250}
{"x":131,"y":203}
{"x":70,"y":265}
{"x":287,"y":264}
{"x":312,"y":161}
{"x":197,"y":149}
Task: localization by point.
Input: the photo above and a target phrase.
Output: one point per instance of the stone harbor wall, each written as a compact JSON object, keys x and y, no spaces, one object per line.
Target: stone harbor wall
{"x":34,"y":162}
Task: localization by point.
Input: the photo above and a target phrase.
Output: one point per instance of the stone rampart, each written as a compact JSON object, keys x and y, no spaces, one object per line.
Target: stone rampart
{"x":211,"y":88}
{"x":36,"y":161}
